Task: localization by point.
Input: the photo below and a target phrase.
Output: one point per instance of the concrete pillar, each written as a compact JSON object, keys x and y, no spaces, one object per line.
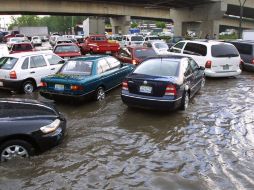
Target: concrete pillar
{"x":120,"y":24}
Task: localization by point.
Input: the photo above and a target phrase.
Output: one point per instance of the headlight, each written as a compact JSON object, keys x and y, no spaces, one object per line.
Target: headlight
{"x":51,"y":127}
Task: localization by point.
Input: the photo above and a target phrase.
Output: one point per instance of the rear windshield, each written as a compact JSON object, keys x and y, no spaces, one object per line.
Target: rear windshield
{"x":62,"y":49}
{"x":161,"y":45}
{"x":98,"y":38}
{"x":224,"y":50}
{"x":137,"y":38}
{"x":159,"y":67}
{"x":77,"y":67}
{"x":144,"y":53}
{"x":7,"y":63}
{"x":244,"y":48}
{"x":22,"y":47}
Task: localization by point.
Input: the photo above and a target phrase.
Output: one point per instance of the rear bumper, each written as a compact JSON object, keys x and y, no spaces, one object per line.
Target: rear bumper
{"x":64,"y":96}
{"x":150,"y":103}
{"x":11,"y":84}
{"x":211,"y":73}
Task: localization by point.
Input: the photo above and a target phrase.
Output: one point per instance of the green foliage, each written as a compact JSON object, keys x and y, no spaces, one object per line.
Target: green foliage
{"x":161,"y":25}
{"x":134,"y":25}
{"x":228,"y":37}
{"x":60,"y":24}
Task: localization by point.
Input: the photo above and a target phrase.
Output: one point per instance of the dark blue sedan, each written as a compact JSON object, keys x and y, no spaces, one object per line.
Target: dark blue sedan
{"x":85,"y":77}
{"x":164,"y":83}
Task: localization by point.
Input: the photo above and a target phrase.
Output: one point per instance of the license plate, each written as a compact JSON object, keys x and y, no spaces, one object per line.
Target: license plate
{"x":59,"y":87}
{"x":108,"y":52}
{"x":225,"y":67}
{"x":1,"y":83}
{"x":66,"y":57}
{"x":145,"y":89}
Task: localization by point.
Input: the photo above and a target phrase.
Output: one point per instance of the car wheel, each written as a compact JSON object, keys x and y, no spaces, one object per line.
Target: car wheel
{"x":185,"y":101}
{"x":15,"y":149}
{"x":28,"y":87}
{"x":100,"y":94}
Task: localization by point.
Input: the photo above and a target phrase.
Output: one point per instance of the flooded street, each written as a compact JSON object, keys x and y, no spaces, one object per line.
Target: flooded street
{"x":109,"y":146}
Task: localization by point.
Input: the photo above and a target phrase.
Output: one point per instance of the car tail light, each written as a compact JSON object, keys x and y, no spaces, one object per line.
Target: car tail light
{"x":134,"y":62}
{"x":125,"y":85}
{"x":241,"y":62}
{"x":13,"y":75}
{"x":170,"y":90}
{"x":252,"y":61}
{"x":208,"y":64}
{"x":76,"y":87}
{"x":43,"y":84}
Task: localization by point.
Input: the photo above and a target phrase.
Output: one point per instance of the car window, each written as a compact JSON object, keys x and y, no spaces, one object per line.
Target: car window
{"x":104,"y":65}
{"x":187,"y":68}
{"x":77,"y":67}
{"x":125,"y":53}
{"x":244,"y":48}
{"x":53,"y":59}
{"x":193,"y":64}
{"x":22,"y":47}
{"x":195,"y":49}
{"x":137,"y":38}
{"x":37,"y":61}
{"x":66,"y":48}
{"x":113,"y":62}
{"x":159,"y":67}
{"x":177,"y":47}
{"x":224,"y":50}
{"x":7,"y":63}
{"x":144,"y":53}
{"x":161,"y":45}
{"x":25,"y":64}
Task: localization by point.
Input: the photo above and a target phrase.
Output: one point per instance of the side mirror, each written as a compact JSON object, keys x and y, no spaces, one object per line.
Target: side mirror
{"x":61,"y":62}
{"x":201,"y":68}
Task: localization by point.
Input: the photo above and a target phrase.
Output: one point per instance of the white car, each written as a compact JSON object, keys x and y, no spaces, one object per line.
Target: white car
{"x":23,"y":71}
{"x":152,"y":38}
{"x":219,"y":59}
{"x":36,"y":41}
{"x":132,"y":40}
{"x":3,"y":50}
{"x":14,"y":40}
{"x":160,"y":47}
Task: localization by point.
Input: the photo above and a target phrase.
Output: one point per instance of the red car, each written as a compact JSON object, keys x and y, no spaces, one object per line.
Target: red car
{"x":21,"y":47}
{"x":67,"y":50}
{"x":99,"y":44}
{"x":134,"y":55}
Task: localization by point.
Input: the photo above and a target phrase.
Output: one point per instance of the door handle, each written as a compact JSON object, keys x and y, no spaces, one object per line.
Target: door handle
{"x":32,"y":72}
{"x":53,"y":68}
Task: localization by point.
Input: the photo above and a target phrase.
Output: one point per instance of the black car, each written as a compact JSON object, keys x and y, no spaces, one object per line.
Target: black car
{"x":28,"y":127}
{"x":246,"y":50}
{"x":165,"y":83}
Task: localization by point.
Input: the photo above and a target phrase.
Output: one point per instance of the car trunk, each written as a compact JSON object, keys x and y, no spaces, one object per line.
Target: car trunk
{"x":225,"y":64}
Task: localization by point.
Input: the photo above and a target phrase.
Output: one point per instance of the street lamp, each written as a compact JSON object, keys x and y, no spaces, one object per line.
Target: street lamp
{"x":242,"y":3}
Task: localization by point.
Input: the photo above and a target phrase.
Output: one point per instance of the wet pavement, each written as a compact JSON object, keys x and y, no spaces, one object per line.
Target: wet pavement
{"x":109,"y":146}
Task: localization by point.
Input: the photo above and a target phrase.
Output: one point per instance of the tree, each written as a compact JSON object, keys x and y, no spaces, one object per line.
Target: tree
{"x":161,"y":25}
{"x":134,"y":25}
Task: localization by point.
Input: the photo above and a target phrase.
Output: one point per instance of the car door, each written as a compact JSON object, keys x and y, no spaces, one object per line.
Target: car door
{"x":38,"y":68}
{"x":198,"y":75}
{"x":55,"y":62}
{"x":189,"y":77}
{"x":177,"y":49}
{"x":125,"y":55}
{"x":105,"y":74}
{"x":118,"y":72}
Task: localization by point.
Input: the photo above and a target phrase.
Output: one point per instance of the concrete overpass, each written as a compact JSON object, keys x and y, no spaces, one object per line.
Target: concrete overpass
{"x":205,"y":16}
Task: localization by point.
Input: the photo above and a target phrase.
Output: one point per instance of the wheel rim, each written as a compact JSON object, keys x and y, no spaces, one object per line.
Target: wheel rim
{"x":100,"y":94}
{"x":14,"y":151}
{"x":186,"y":101}
{"x":28,"y":88}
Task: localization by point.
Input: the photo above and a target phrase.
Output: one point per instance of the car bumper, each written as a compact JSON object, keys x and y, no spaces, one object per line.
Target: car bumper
{"x":210,"y":73}
{"x":248,"y":66}
{"x":50,"y":140}
{"x":11,"y":84}
{"x":150,"y":102}
{"x":64,"y":96}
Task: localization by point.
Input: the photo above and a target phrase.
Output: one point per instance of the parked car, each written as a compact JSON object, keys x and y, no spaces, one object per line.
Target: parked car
{"x":2,"y":34}
{"x":14,"y":40}
{"x":11,"y":35}
{"x":36,"y":41}
{"x":160,"y":47}
{"x":163,"y":82}
{"x":83,"y":77}
{"x":67,"y":51}
{"x":99,"y":44}
{"x":23,"y":71}
{"x":116,"y":37}
{"x":134,"y":54}
{"x":151,"y":38}
{"x":174,"y":40}
{"x":3,"y":50}
{"x":21,"y":47}
{"x":28,"y":127}
{"x":246,"y":50}
{"x":53,"y":39}
{"x":132,"y":40}
{"x":63,"y":41}
{"x":44,"y":38}
{"x":220,"y":59}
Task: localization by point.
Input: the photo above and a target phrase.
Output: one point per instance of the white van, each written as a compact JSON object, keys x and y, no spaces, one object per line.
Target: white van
{"x":23,"y":71}
{"x":219,"y":59}
{"x":132,"y":40}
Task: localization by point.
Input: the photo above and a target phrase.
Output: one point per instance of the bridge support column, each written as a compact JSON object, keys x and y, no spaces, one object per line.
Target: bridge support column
{"x":120,"y":24}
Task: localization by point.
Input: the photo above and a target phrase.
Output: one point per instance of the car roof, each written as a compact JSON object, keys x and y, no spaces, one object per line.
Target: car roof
{"x":90,"y":57}
{"x":66,"y":44}
{"x":251,"y":42}
{"x":205,"y":42}
{"x":23,"y":54}
{"x":168,"y":57}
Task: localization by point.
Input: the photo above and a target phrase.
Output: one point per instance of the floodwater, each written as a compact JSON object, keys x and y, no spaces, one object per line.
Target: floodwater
{"x":109,"y":146}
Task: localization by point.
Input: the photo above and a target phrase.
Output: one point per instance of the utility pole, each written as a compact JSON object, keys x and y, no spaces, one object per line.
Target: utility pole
{"x":242,"y":3}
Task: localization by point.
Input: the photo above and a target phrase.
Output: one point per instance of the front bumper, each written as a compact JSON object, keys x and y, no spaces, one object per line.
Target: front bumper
{"x":150,"y":103}
{"x":211,"y":73}
{"x":11,"y":84}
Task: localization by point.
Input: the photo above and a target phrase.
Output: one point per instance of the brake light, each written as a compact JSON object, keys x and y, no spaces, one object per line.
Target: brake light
{"x":134,"y":62}
{"x":13,"y":75}
{"x":170,"y":90}
{"x":241,"y":62}
{"x":208,"y":64}
{"x":125,"y":85}
{"x":43,"y":84}
{"x":76,"y":87}
{"x":252,"y":61}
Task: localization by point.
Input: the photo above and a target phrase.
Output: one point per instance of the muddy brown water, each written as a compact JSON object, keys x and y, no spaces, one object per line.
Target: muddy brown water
{"x":109,"y":146}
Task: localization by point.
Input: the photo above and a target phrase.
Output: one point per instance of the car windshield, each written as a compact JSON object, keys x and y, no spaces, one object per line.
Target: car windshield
{"x":62,"y":49}
{"x":161,"y":45}
{"x":16,"y":40}
{"x":159,"y":67}
{"x":144,"y":53}
{"x":224,"y":50}
{"x":22,"y":47}
{"x":137,"y":38}
{"x":77,"y":67}
{"x":7,"y":63}
{"x":154,"y":38}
